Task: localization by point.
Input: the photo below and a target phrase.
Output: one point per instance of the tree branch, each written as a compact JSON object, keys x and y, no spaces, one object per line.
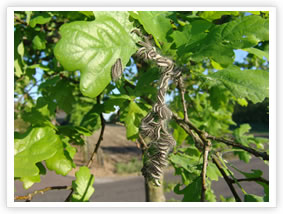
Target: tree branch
{"x":259,"y":179}
{"x":203,"y":173}
{"x":181,"y":88}
{"x":228,"y":180}
{"x":187,"y":125}
{"x":96,"y":146}
{"x":229,"y":142}
{"x":100,"y":137}
{"x":29,"y":196}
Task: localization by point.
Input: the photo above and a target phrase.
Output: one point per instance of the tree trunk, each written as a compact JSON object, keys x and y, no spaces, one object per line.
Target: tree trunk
{"x":154,"y":193}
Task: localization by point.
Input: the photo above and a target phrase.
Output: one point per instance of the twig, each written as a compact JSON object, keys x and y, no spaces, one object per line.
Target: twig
{"x":229,"y":142}
{"x":96,"y":146}
{"x":19,"y":20}
{"x":187,"y":125}
{"x":29,"y":196}
{"x":206,"y":149}
{"x":181,"y":88}
{"x":100,"y":137}
{"x":226,"y":178}
{"x":259,"y":179}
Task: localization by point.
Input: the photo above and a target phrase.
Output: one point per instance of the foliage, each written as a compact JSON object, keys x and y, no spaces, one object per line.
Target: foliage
{"x":63,"y":61}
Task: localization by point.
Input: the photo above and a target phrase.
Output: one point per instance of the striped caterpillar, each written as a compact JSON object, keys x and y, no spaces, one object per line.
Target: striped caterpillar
{"x":117,"y":70}
{"x":153,"y":126}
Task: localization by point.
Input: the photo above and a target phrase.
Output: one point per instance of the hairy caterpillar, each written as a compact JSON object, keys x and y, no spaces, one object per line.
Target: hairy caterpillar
{"x":117,"y":70}
{"x":153,"y":125}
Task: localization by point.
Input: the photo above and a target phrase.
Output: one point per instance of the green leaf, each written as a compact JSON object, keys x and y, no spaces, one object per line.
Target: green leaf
{"x":217,"y":42}
{"x":29,"y":181}
{"x":259,"y":53}
{"x":250,"y":84}
{"x":179,"y":135}
{"x":115,"y":100}
{"x":212,"y":15}
{"x":244,"y":156}
{"x":211,"y":45}
{"x":191,"y":192}
{"x":74,"y":133}
{"x":132,"y":117}
{"x":216,"y":65}
{"x":18,"y":53}
{"x":242,"y":102}
{"x":63,"y":94}
{"x":187,"y":162}
{"x":83,"y":185}
{"x":213,"y":172}
{"x":253,"y":198}
{"x":40,"y":19}
{"x":256,"y":173}
{"x":246,"y":31}
{"x":18,"y":68}
{"x":155,"y":23}
{"x":38,"y":43}
{"x":93,"y":48}
{"x":40,"y":114}
{"x":36,"y":145}
{"x":28,"y":13}
{"x":239,"y":134}
{"x":229,"y":199}
{"x":62,"y":163}
{"x":91,"y":120}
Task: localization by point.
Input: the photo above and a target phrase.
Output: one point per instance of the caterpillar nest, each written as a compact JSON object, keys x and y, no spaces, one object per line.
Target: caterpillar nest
{"x":153,"y":128}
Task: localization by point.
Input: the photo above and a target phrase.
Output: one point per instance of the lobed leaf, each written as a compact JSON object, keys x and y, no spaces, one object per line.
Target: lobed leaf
{"x":36,"y":145}
{"x":155,"y":23}
{"x":83,"y":185}
{"x":62,"y":162}
{"x":93,"y":48}
{"x":250,"y":84}
{"x":132,"y":116}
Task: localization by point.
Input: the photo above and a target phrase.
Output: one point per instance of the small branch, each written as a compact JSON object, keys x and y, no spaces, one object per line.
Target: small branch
{"x":228,"y":180}
{"x":229,"y":142}
{"x":187,"y":125}
{"x":203,"y":173}
{"x":260,"y":179}
{"x":19,"y":20}
{"x":96,"y":146}
{"x":181,"y":88}
{"x":99,"y":139}
{"x":29,"y":196}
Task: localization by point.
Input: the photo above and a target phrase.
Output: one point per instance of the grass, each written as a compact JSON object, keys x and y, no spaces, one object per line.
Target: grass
{"x":133,"y":166}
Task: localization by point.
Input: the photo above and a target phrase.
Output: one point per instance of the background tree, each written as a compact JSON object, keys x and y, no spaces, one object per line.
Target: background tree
{"x":63,"y":62}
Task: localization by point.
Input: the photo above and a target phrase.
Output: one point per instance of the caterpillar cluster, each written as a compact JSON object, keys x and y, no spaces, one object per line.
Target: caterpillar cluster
{"x":153,"y":125}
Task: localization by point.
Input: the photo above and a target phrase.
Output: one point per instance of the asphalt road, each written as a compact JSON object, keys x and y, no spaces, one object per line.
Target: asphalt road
{"x":131,"y":189}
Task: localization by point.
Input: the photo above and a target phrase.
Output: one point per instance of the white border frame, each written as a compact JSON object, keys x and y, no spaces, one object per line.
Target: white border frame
{"x":272,"y":111}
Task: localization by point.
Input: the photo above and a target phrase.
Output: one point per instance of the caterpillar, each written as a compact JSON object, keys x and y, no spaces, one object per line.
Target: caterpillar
{"x":117,"y":70}
{"x":153,"y":126}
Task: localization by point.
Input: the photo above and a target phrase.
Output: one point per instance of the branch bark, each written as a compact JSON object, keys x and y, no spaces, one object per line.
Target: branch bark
{"x":251,"y":179}
{"x":228,"y":180}
{"x":229,"y":142}
{"x":187,"y":125}
{"x":29,"y":196}
{"x":100,"y":137}
{"x":203,"y":173}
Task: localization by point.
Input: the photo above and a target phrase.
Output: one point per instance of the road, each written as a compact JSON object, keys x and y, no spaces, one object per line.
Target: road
{"x":131,"y":189}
